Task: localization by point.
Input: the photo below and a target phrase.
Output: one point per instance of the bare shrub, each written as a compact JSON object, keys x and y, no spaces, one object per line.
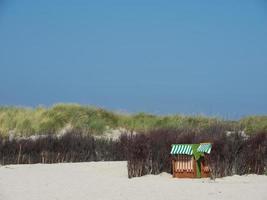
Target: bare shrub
{"x":71,"y":147}
{"x":231,"y":153}
{"x":146,"y":153}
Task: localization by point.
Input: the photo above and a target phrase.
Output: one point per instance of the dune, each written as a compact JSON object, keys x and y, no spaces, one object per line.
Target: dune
{"x":108,"y":180}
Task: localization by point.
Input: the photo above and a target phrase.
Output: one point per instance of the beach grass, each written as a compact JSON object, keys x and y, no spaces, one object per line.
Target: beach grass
{"x":23,"y":121}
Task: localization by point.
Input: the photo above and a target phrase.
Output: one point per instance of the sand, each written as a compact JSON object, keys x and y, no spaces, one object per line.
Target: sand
{"x":108,"y":180}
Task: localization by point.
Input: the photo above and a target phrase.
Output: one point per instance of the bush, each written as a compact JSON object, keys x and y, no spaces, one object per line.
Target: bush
{"x":231,"y":154}
{"x":72,"y":147}
{"x":147,"y":152}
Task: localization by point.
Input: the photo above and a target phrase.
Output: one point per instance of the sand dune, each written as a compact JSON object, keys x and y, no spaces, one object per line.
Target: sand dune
{"x":108,"y":180}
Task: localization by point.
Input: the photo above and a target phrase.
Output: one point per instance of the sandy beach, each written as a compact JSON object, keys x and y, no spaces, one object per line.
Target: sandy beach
{"x":108,"y":180}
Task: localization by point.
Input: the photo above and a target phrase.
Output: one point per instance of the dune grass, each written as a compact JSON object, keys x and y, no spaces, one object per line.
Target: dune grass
{"x":21,"y":121}
{"x":253,"y":124}
{"x":28,"y":121}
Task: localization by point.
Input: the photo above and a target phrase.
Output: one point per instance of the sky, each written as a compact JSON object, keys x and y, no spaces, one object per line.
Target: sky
{"x":163,"y":57}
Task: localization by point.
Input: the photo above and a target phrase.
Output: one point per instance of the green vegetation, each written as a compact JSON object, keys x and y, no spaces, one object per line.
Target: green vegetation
{"x":27,"y":121}
{"x":253,"y":124}
{"x":22,"y":121}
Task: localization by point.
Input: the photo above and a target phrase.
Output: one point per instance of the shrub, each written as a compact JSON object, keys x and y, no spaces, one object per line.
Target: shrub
{"x":231,"y":153}
{"x":146,"y":153}
{"x":71,"y":147}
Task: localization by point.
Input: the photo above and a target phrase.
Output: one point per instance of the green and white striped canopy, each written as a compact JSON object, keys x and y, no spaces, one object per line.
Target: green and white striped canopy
{"x":182,"y":149}
{"x":204,"y":148}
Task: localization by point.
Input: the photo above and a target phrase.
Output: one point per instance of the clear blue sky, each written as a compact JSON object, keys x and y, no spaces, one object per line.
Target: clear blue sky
{"x":163,"y":57}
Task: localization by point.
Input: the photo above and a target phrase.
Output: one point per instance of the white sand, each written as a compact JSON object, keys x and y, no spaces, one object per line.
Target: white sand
{"x":108,"y":180}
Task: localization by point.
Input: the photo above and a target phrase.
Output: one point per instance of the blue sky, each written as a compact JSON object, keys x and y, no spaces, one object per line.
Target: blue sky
{"x":163,"y":57}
